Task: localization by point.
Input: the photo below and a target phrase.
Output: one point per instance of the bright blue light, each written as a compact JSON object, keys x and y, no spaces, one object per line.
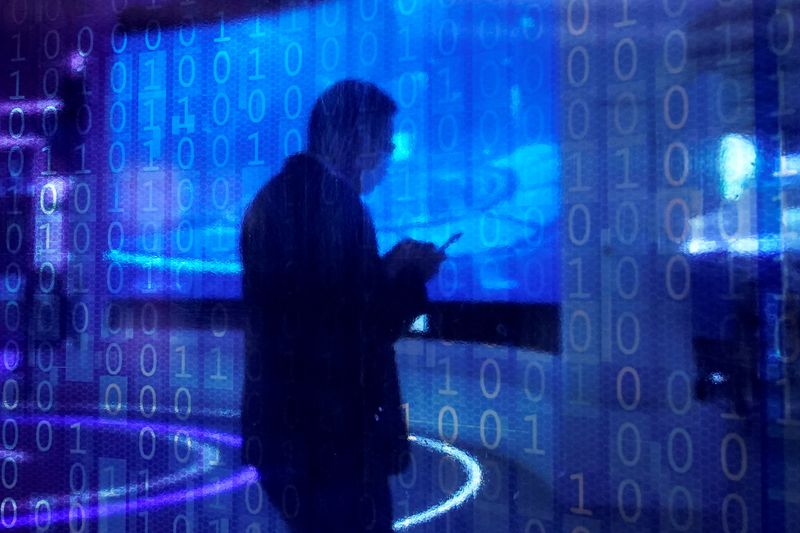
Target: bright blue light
{"x":717,"y":377}
{"x":766,"y":244}
{"x":737,"y":161}
{"x":402,"y":146}
{"x":175,"y":263}
{"x":420,"y":324}
{"x":469,"y":489}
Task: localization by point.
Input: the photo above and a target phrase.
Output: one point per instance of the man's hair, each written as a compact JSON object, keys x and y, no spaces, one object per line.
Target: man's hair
{"x":345,"y":114}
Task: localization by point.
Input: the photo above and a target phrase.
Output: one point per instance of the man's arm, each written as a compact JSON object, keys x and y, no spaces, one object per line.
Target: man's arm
{"x":405,"y":296}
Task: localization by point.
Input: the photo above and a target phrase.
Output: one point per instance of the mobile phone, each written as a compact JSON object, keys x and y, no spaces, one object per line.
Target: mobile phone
{"x":453,"y":238}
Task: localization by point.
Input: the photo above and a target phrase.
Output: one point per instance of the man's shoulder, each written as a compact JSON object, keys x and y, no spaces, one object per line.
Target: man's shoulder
{"x":303,"y":164}
{"x":304,"y":183}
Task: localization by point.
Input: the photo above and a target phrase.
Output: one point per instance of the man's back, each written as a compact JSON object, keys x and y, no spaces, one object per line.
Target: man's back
{"x":321,"y":396}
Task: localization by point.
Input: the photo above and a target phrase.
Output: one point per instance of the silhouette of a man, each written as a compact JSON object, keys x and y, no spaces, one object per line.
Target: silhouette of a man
{"x":321,"y":416}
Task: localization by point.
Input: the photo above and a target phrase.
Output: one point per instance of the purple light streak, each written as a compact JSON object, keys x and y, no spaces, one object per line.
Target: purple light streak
{"x":59,"y":515}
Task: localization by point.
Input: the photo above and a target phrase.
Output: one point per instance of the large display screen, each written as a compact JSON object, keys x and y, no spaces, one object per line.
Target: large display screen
{"x":201,"y":116}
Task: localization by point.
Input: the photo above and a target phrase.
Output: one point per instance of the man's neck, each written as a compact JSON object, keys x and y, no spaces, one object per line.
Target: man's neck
{"x":348,"y":176}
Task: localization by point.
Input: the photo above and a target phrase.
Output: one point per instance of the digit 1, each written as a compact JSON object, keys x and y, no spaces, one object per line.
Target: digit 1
{"x":151,"y":145}
{"x":257,"y":75}
{"x":258,"y":32}
{"x":149,"y":186}
{"x":185,"y":124}
{"x":579,"y":186}
{"x":152,"y":85}
{"x":406,"y":407}
{"x":534,"y":449}
{"x":221,"y":38}
{"x":580,"y":509}
{"x":14,"y":208}
{"x":18,"y":57}
{"x":405,"y":31}
{"x":80,"y":288}
{"x":580,"y":399}
{"x":49,"y":161}
{"x":728,"y":59}
{"x":218,"y":374}
{"x":447,"y":391}
{"x":81,"y":149}
{"x":46,"y":228}
{"x":16,"y":95}
{"x":182,"y":353}
{"x":116,"y":208}
{"x":579,"y":293}
{"x":625,"y":20}
{"x":77,"y":449}
{"x":626,"y":183}
{"x":256,"y":160}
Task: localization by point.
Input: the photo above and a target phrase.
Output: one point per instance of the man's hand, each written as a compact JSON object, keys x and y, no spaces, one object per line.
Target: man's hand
{"x":421,"y":255}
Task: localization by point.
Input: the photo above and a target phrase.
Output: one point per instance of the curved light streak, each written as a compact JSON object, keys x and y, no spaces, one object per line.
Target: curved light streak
{"x":474,"y":480}
{"x":240,"y":478}
{"x":232,"y":482}
{"x":91,"y":409}
{"x":198,"y":468}
{"x":159,"y":262}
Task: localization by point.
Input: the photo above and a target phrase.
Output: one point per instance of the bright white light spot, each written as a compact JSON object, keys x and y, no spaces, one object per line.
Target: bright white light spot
{"x":420,"y":324}
{"x":746,"y":246}
{"x":767,"y":244}
{"x":402,"y":146}
{"x":701,"y":246}
{"x":716,"y":377}
{"x":789,"y":166}
{"x":737,"y":160}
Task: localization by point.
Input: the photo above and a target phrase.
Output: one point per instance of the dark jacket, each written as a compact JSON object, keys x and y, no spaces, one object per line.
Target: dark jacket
{"x":321,"y":388}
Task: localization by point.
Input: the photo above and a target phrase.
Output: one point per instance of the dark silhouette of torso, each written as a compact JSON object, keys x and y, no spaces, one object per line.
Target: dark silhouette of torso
{"x":321,"y":415}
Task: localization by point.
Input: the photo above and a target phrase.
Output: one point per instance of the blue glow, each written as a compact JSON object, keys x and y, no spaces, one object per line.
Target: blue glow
{"x":403,"y":143}
{"x":474,"y":480}
{"x":493,"y":175}
{"x":737,"y":161}
{"x":788,"y":165}
{"x":768,"y":244}
{"x":206,"y":454}
{"x":175,"y":263}
{"x":17,"y":457}
{"x":717,"y":377}
{"x":420,"y":324}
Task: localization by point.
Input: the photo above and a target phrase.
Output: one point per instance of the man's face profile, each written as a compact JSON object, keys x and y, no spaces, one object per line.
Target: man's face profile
{"x":375,"y":158}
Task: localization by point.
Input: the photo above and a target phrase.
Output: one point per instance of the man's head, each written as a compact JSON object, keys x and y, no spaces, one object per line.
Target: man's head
{"x":351,"y":129}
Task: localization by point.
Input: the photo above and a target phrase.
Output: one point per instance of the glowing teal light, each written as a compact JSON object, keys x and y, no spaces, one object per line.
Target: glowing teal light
{"x":474,"y":479}
{"x":420,"y":324}
{"x":402,"y":146}
{"x":737,"y":161}
{"x":175,"y":263}
{"x":765,"y":244}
